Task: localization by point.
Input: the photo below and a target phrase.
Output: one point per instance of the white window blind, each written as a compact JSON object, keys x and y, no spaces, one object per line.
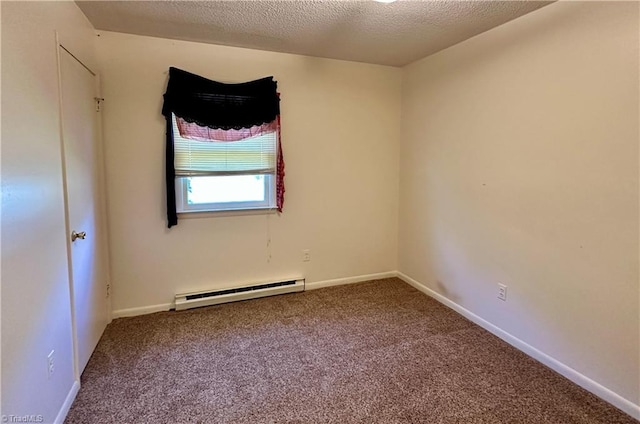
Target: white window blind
{"x":256,"y":155}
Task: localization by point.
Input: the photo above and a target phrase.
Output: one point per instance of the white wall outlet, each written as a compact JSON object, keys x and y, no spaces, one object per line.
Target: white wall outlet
{"x":50,"y":364}
{"x":502,"y":292}
{"x":306,"y":255}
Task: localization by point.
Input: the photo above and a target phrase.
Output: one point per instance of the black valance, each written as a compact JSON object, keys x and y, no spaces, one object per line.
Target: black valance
{"x":218,"y":105}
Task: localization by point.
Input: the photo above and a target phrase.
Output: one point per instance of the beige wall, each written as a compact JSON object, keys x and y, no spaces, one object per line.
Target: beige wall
{"x":36,"y":310}
{"x":340,"y":129}
{"x":519,"y":165}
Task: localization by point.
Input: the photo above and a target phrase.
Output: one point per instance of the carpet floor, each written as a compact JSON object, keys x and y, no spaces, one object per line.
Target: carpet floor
{"x":374,"y":352}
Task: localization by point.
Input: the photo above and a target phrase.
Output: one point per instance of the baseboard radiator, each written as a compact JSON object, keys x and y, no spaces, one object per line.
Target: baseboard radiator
{"x":214,"y":297}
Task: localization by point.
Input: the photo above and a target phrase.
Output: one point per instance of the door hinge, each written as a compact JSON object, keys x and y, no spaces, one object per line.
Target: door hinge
{"x":98,"y":101}
{"x":108,"y":291}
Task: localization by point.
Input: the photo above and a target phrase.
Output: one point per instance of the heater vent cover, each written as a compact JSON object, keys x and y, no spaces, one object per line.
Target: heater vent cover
{"x":214,"y":297}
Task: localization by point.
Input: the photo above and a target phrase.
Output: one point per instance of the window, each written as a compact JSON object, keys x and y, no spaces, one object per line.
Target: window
{"x":225,"y":175}
{"x":223,"y":150}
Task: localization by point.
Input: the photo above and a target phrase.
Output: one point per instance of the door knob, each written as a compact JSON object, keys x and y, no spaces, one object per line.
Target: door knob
{"x":81,"y":235}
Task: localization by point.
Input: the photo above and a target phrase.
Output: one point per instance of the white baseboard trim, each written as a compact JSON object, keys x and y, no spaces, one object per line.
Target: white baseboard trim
{"x":66,"y":406}
{"x":143,"y":310}
{"x":568,"y":372}
{"x":349,"y":280}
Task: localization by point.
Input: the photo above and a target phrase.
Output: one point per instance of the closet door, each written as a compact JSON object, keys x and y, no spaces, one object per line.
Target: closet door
{"x":84,"y":207}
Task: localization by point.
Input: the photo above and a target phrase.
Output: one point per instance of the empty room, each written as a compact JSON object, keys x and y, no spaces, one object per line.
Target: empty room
{"x":323,"y":211}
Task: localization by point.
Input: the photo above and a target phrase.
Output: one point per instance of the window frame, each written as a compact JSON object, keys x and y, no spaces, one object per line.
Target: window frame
{"x":181,"y":190}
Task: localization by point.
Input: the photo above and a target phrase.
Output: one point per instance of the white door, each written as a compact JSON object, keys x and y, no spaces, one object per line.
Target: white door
{"x":84,"y":207}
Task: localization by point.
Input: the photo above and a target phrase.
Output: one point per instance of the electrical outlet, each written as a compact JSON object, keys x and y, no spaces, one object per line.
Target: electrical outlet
{"x":502,"y":292}
{"x":50,"y":364}
{"x":306,"y":255}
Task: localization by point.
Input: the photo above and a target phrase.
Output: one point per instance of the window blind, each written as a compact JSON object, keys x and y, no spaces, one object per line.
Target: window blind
{"x":255,"y":155}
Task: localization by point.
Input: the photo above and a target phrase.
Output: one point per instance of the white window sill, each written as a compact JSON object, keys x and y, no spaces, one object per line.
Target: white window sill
{"x":224,"y":213}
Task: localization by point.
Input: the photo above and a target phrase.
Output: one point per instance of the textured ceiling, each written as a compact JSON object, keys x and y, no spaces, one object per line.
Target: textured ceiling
{"x":364,"y":31}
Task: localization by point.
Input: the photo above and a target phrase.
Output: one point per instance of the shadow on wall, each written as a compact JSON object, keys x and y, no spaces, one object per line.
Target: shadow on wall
{"x":440,"y":288}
